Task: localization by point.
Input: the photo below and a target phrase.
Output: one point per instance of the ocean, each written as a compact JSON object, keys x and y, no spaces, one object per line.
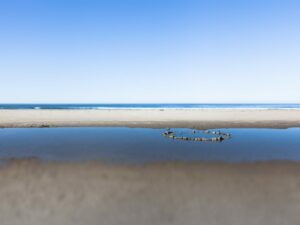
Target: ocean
{"x":149,"y":106}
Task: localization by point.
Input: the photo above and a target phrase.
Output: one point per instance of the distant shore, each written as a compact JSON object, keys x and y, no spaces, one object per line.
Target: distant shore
{"x":157,"y":118}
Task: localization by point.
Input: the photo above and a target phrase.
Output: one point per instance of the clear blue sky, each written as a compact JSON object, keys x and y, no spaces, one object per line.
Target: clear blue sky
{"x":124,"y":51}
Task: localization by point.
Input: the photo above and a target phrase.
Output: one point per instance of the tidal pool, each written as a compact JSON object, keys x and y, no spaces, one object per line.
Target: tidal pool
{"x":143,"y":145}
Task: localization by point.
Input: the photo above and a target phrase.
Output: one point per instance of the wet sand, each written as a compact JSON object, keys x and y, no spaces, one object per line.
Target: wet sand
{"x":172,"y":193}
{"x":193,"y":118}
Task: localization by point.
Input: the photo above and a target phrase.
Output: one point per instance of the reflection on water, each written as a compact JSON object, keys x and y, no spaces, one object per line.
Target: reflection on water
{"x":139,"y":145}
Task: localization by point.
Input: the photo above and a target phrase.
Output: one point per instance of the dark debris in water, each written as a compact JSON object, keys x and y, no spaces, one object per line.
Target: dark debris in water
{"x":218,"y":136}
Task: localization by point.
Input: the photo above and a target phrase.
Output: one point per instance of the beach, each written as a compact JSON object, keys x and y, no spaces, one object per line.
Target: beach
{"x":172,"y":192}
{"x":149,"y":112}
{"x":161,"y":118}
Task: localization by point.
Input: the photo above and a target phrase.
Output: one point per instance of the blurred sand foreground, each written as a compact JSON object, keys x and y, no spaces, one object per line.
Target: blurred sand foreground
{"x":91,"y":193}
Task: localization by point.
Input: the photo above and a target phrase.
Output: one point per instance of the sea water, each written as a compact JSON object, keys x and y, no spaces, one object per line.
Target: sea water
{"x":147,"y":106}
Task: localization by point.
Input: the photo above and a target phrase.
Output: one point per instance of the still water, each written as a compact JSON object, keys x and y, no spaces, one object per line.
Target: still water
{"x":141,"y":145}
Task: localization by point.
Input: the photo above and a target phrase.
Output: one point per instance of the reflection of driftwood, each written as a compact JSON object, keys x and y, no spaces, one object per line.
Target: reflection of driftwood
{"x":220,"y":136}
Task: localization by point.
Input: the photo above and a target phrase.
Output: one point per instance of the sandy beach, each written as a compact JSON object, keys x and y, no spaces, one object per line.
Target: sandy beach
{"x":193,"y":118}
{"x":36,"y":192}
{"x":173,"y":193}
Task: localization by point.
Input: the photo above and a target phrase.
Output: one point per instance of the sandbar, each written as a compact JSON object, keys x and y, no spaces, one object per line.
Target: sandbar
{"x":193,"y":118}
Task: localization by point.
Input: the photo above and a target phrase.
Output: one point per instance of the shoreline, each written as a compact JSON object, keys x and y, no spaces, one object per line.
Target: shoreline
{"x":151,"y":118}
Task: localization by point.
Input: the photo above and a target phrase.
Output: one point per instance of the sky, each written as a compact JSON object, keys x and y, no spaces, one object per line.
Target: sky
{"x":149,"y":51}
